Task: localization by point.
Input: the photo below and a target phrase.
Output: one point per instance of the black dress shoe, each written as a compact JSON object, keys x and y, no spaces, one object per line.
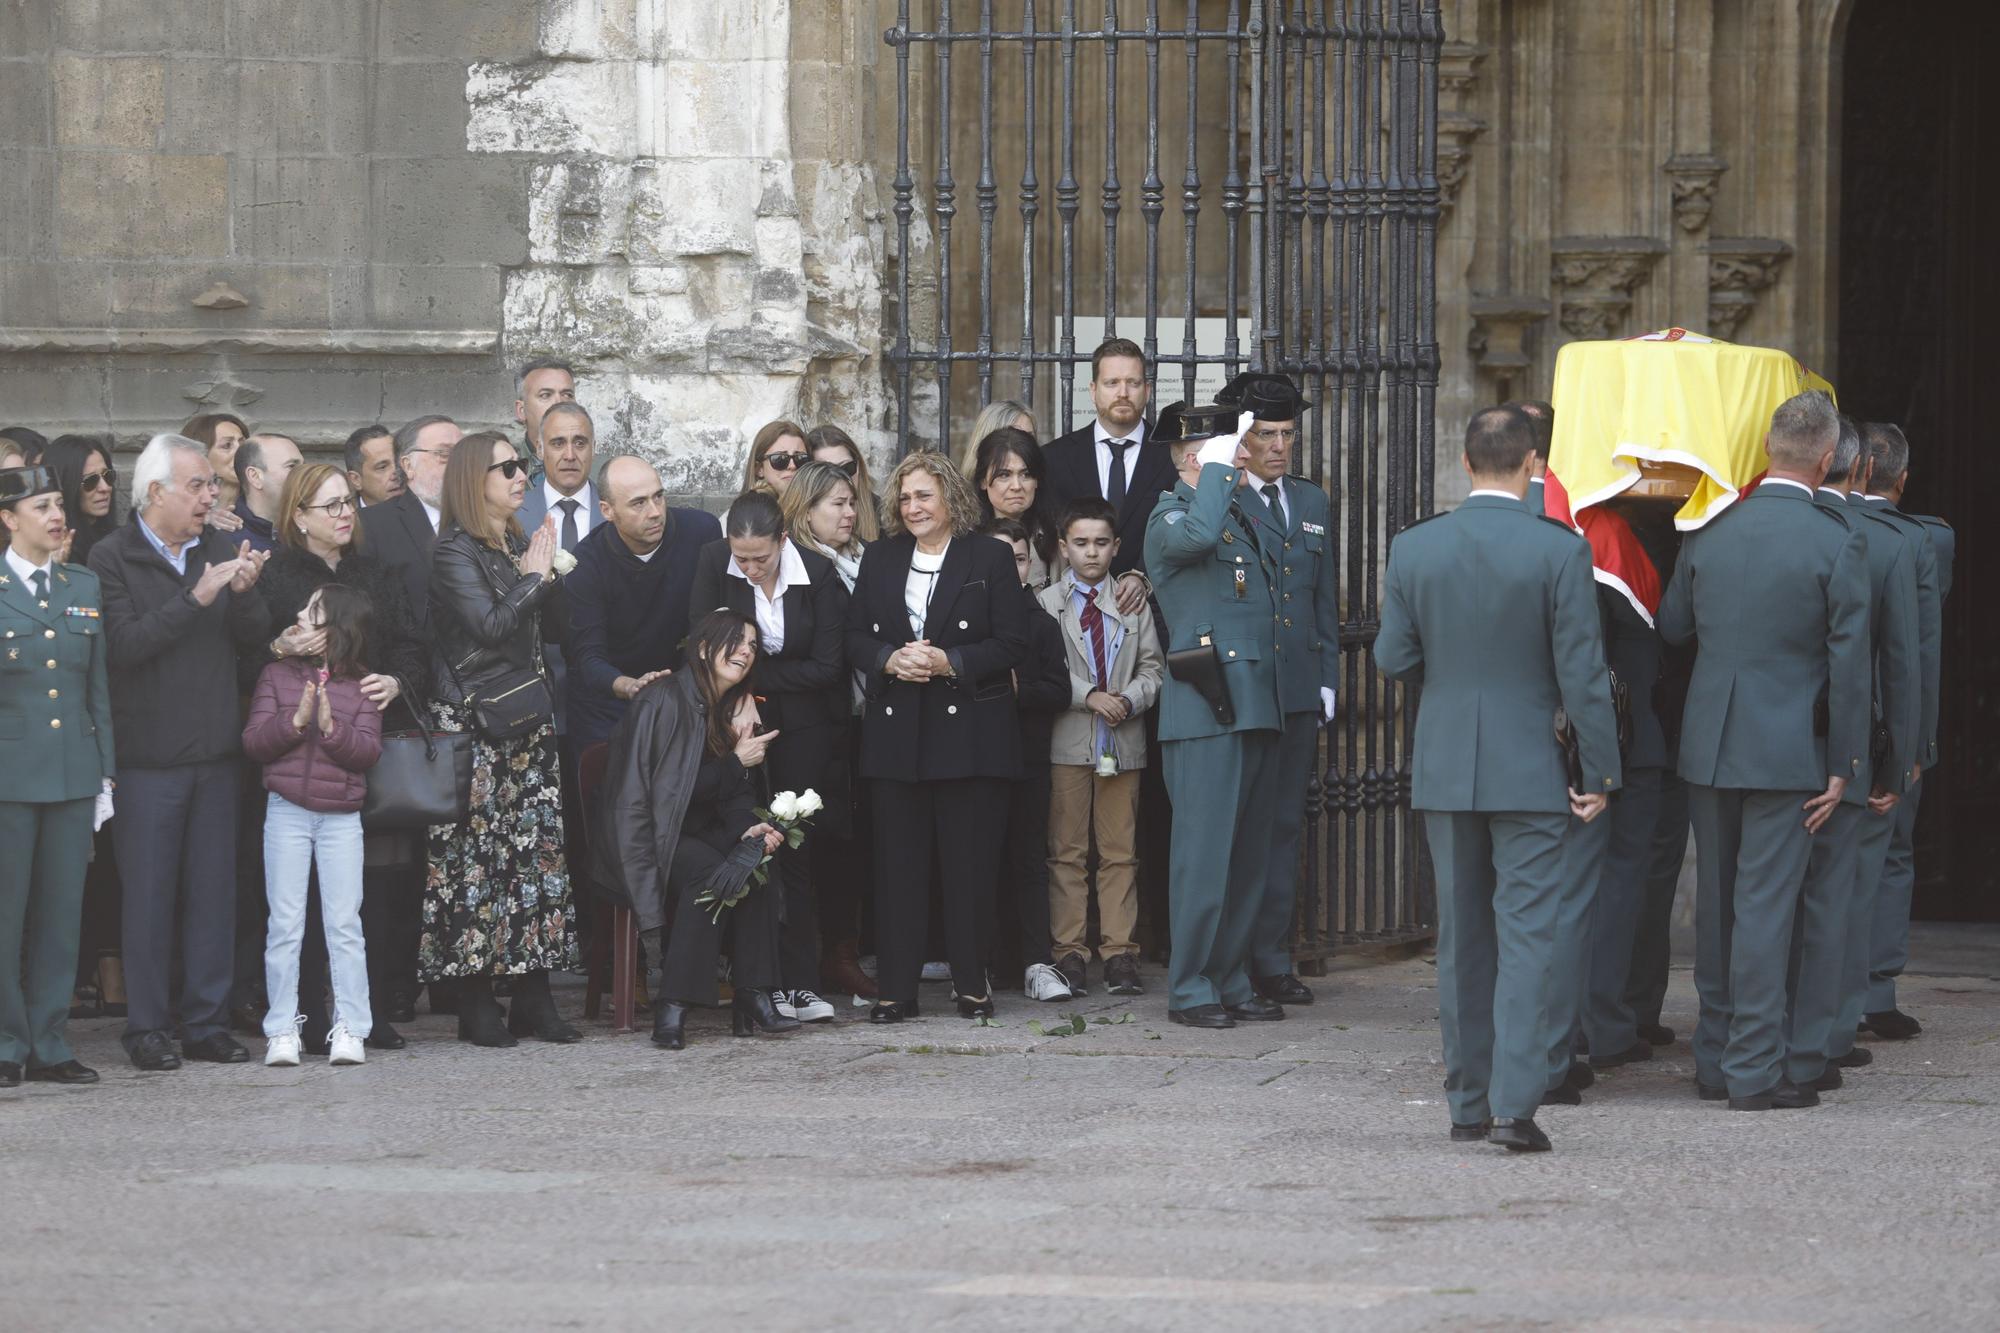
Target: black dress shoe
{"x":1285,"y":988}
{"x":1256,"y":1009}
{"x":1517,"y":1135}
{"x":217,"y":1048}
{"x":1782,"y":1096}
{"x":153,"y":1051}
{"x":753,"y":1011}
{"x":533,"y":1012}
{"x":398,"y":1006}
{"x":1829,"y":1079}
{"x":481,"y":1021}
{"x":974,"y":1008}
{"x":1655,"y":1035}
{"x":890,"y":1011}
{"x":1202,"y":1016}
{"x":382,"y":1037}
{"x":670,"y":1026}
{"x":1708,"y":1092}
{"x":1578,"y":1076}
{"x":10,"y":1074}
{"x":1892,"y":1025}
{"x":73,"y":1072}
{"x":1562,"y":1094}
{"x":1855,"y":1058}
{"x":1632,"y":1054}
{"x":1468,"y":1133}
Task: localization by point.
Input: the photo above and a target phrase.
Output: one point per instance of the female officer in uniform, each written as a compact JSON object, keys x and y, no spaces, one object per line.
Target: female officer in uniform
{"x":55,"y":721}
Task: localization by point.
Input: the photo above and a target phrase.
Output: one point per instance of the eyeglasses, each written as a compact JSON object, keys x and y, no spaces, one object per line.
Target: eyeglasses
{"x":334,"y":508}
{"x":509,"y":468}
{"x":435,"y":453}
{"x":92,"y":480}
{"x":196,"y":485}
{"x":849,"y":468}
{"x":786,"y":462}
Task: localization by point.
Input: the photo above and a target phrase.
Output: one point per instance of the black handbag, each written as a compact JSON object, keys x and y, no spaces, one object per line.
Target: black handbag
{"x":423,"y":778}
{"x":511,"y":705}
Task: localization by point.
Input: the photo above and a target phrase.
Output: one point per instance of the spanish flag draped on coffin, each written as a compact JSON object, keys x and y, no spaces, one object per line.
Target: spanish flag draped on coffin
{"x":1671,"y":415}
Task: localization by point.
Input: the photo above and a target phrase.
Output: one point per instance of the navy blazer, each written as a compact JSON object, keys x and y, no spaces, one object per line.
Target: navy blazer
{"x":398,"y":533}
{"x":1070,"y":463}
{"x":805,"y":683}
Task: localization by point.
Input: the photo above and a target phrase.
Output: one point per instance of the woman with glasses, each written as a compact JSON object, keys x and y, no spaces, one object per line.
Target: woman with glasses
{"x":779,"y":450}
{"x":82,"y":465}
{"x":831,"y":444}
{"x":318,"y":530}
{"x":497,"y":899}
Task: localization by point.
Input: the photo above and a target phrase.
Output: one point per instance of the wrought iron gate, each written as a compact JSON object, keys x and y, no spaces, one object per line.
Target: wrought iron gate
{"x":1322,"y":117}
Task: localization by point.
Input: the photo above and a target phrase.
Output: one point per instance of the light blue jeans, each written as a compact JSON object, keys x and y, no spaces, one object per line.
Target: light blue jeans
{"x":294,"y":838}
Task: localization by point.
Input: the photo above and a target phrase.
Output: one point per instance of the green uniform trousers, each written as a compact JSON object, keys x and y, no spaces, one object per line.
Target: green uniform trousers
{"x":1271,"y":940}
{"x":1609,"y":1021}
{"x":47,"y":852}
{"x":1750,"y":851}
{"x":1584,"y":848}
{"x":1225,"y":793}
{"x":1889,"y":937}
{"x":1500,"y":888}
{"x":1819,"y":943}
{"x":1871,"y":857}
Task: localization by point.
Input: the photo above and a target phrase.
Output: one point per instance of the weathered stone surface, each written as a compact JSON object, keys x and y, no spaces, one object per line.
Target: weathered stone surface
{"x":593,"y":29}
{"x":462,"y":210}
{"x":301,"y":208}
{"x":115,"y":204}
{"x":419,"y":109}
{"x":26,"y":207}
{"x":726,"y":108}
{"x":742,"y":30}
{"x":140,"y":25}
{"x":463,"y":29}
{"x":337,"y":29}
{"x":27,"y":28}
{"x":102,"y":103}
{"x":24,"y":105}
{"x":289,"y":107}
{"x":204,"y":106}
{"x":551,"y":106}
{"x":593,"y":314}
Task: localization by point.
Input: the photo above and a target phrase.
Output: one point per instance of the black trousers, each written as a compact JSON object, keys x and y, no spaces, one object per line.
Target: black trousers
{"x":176,"y":834}
{"x":99,"y":930}
{"x":964,"y":821}
{"x":800,"y":759}
{"x":1155,"y":841}
{"x":843,"y":864}
{"x":687,"y":971}
{"x":1024,"y":897}
{"x":251,"y":906}
{"x":1652,"y":945}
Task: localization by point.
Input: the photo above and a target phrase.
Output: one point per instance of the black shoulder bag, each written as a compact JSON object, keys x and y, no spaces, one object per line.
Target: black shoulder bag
{"x":423,"y":778}
{"x":511,"y":704}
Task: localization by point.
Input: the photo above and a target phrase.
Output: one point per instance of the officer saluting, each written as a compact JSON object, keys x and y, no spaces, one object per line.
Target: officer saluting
{"x":55,"y":717}
{"x":1220,"y":718}
{"x":1493,"y":611}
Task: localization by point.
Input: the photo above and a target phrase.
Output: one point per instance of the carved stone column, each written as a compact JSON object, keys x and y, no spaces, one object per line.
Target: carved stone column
{"x":1740,"y":269}
{"x":1457,"y":126}
{"x":1502,"y":341}
{"x":1594,"y":278}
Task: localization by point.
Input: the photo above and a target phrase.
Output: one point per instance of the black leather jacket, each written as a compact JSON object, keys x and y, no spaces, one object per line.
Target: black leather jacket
{"x":487,"y":618}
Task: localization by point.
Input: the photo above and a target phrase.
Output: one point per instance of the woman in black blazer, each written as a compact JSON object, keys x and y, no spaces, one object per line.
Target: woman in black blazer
{"x":936,"y":626}
{"x":802,"y":685}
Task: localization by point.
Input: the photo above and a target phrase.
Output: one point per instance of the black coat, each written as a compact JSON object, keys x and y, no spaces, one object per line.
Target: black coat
{"x":173,"y":663}
{"x":806,"y":682}
{"x":487,"y":617}
{"x":1070,"y":463}
{"x":397,"y":649}
{"x":1042,"y":683}
{"x":965,"y":726}
{"x":397,"y":533}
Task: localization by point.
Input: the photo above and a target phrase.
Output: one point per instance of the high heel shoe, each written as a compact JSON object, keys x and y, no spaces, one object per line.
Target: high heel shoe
{"x":533,"y":1013}
{"x":892,"y":1011}
{"x":480,"y":1019}
{"x":970,"y":1008}
{"x":751,"y":1011}
{"x":670,"y":1025}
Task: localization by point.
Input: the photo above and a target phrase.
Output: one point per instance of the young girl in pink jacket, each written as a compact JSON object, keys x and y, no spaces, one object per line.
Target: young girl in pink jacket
{"x":317,"y":737}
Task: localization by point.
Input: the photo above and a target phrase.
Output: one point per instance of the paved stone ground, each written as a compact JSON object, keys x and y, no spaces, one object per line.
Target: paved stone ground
{"x":1135,"y":1175}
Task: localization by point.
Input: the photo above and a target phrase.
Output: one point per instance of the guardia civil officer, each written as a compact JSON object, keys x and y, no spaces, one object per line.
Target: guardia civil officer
{"x":1889,"y":944}
{"x":1218,"y":591}
{"x":1775,"y":592}
{"x":55,"y":713}
{"x":1828,"y":947}
{"x":1493,"y":611}
{"x":1291,"y":517}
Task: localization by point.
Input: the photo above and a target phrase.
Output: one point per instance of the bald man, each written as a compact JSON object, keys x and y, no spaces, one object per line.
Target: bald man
{"x":628,"y":595}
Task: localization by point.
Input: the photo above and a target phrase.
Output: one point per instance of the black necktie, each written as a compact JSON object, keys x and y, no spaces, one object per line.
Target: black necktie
{"x":568,"y":524}
{"x":1114,"y":490}
{"x":42,"y":587}
{"x":1270,"y":493}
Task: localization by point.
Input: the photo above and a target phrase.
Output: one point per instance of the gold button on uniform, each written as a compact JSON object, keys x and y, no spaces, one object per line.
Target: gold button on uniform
{"x":48,"y":634}
{"x":52,"y":694}
{"x":55,"y":724}
{"x":52,"y":664}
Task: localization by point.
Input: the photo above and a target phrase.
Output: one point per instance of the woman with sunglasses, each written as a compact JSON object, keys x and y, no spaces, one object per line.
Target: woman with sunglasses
{"x":777,"y":453}
{"x":831,"y":444}
{"x":497,"y":897}
{"x":82,"y":465}
{"x":318,"y":530}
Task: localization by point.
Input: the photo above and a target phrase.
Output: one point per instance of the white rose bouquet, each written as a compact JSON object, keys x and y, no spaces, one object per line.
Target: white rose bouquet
{"x":562,"y":562}
{"x":789,"y":813}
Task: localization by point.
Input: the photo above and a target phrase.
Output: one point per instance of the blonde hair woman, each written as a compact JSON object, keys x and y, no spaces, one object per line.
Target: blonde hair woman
{"x":831,"y":444}
{"x":778,"y":451}
{"x":1000,"y":414}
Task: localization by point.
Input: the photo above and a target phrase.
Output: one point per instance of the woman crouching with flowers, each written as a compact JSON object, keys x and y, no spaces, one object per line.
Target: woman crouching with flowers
{"x":678,"y":834}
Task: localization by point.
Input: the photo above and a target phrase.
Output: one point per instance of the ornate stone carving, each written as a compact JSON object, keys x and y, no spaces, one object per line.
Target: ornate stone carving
{"x":1457,"y":126}
{"x":1594,"y":278}
{"x":1740,"y":268}
{"x":1501,"y":328}
{"x":1695,"y":176}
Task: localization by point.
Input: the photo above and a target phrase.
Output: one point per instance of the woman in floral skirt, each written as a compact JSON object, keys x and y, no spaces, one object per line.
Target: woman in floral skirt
{"x":497,"y":900}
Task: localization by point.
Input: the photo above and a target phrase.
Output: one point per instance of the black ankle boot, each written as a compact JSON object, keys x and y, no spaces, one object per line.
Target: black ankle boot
{"x":670,"y":1025}
{"x":480,"y":1019}
{"x":752,"y":1011}
{"x":533,"y":1013}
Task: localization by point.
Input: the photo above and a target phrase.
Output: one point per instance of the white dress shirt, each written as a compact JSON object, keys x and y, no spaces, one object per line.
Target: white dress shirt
{"x":771,"y":609}
{"x":430,"y":512}
{"x":1104,"y":438}
{"x":27,"y":572}
{"x":1498,"y":495}
{"x":918,"y":587}
{"x":1787,"y":481}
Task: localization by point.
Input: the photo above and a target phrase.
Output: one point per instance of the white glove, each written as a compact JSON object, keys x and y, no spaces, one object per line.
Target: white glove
{"x":1326,"y":702}
{"x":1222,"y":449}
{"x":103,"y":811}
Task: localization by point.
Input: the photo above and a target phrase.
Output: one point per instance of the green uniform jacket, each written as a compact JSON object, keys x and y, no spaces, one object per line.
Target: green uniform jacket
{"x":1931,"y":542}
{"x":1894,"y":659}
{"x":1493,"y":611}
{"x":55,"y":695}
{"x":1775,"y":591}
{"x":1213,"y":580}
{"x":1308,"y":590}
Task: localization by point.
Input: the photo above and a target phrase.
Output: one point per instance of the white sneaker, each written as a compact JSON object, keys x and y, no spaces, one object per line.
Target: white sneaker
{"x":344,"y":1048}
{"x":937,"y":972}
{"x":1045,"y":983}
{"x":282,"y":1049}
{"x":810,"y":1008}
{"x":782,"y":1001}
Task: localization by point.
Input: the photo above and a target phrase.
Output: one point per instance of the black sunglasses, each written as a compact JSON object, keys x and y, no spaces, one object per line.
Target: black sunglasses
{"x":509,"y":468}
{"x":92,"y":480}
{"x":849,"y":468}
{"x":786,"y":462}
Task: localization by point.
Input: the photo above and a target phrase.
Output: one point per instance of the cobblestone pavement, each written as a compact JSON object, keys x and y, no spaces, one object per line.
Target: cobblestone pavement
{"x":1131,"y":1175}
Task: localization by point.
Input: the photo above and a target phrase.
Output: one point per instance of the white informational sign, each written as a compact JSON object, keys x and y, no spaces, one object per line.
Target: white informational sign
{"x":1208,"y":335}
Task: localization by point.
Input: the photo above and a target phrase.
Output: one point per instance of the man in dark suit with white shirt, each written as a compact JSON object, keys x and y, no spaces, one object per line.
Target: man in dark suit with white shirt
{"x":402,"y":531}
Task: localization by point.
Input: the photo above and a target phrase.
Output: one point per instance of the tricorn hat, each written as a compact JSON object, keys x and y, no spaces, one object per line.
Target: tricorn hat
{"x":1269,"y":397}
{"x":24,"y":483}
{"x":1181,"y":424}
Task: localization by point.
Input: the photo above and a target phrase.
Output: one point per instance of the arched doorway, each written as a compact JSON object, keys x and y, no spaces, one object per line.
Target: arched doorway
{"x":1917,"y":281}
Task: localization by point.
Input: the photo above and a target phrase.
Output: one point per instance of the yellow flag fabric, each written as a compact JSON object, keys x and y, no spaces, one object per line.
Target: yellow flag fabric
{"x":1668,"y":397}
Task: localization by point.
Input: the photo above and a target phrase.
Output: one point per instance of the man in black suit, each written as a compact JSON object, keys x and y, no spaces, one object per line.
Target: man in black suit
{"x":402,"y":531}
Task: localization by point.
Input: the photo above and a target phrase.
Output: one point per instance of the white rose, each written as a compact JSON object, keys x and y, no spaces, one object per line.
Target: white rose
{"x":810,"y":803}
{"x":785,"y":806}
{"x":563,"y":562}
